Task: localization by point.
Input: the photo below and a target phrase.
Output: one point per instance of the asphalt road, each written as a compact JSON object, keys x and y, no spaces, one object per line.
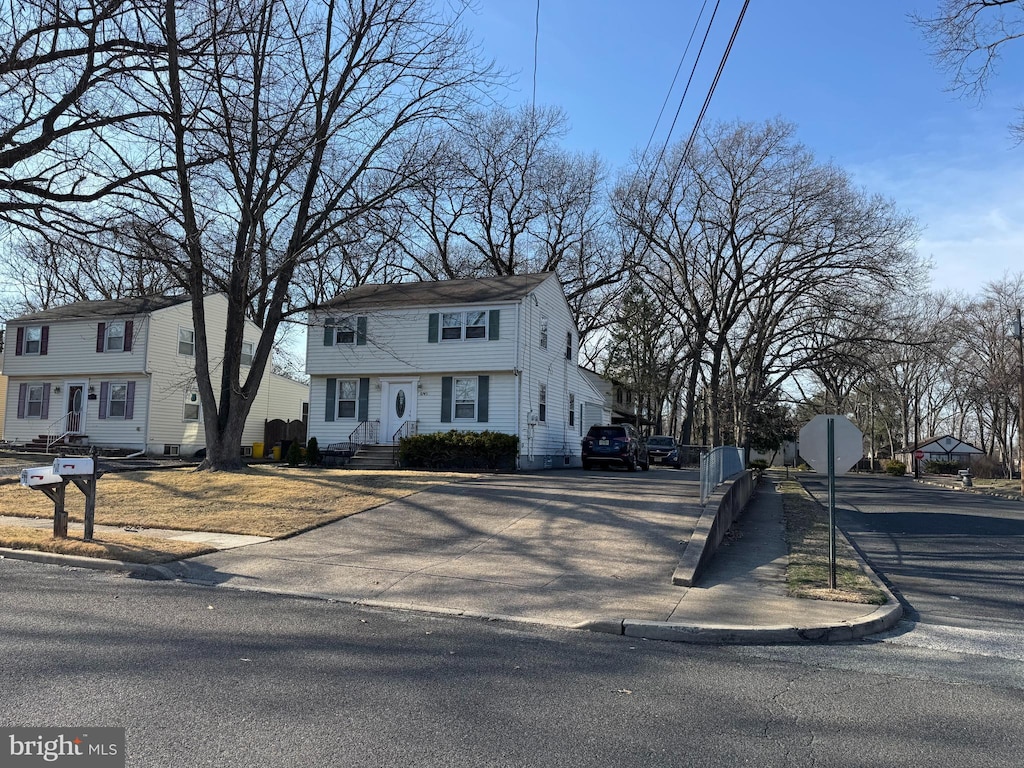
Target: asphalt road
{"x":956,"y":558}
{"x":215,"y":677}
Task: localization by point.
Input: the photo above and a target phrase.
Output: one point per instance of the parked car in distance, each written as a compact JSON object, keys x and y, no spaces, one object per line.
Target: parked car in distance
{"x":664,"y":449}
{"x":615,"y":444}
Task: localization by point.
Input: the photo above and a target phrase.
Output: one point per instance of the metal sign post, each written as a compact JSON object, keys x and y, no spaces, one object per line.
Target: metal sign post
{"x":832,"y":445}
{"x":831,"y":504}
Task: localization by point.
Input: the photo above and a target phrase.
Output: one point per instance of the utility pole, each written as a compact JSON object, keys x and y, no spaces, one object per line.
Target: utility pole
{"x":1018,"y":334}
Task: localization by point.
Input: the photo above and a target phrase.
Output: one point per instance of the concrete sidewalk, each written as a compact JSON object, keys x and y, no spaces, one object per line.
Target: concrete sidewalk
{"x":568,"y":549}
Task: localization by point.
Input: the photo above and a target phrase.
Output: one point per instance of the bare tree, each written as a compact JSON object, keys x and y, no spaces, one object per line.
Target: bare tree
{"x":66,"y":72}
{"x":501,"y":197}
{"x":286,"y":123}
{"x":967,"y":38}
{"x":754,"y":242}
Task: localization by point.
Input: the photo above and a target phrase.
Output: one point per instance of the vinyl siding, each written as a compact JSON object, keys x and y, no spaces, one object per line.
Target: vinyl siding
{"x":3,"y":405}
{"x":396,"y":344}
{"x":174,"y":375}
{"x":71,"y":349}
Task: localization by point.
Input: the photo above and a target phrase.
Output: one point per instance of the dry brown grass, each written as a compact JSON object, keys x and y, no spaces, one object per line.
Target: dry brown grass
{"x":807,"y":534}
{"x":262,"y":501}
{"x":132,"y":548}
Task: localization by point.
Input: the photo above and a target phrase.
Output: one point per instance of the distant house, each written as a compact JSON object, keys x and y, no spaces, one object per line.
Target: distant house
{"x":942,"y":448}
{"x":121,"y":374}
{"x":495,"y":354}
{"x":620,"y":401}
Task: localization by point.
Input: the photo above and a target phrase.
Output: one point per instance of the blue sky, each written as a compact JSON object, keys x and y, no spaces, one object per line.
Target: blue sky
{"x":855,"y":77}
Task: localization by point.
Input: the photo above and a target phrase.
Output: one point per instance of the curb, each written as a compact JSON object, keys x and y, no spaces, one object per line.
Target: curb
{"x":885,"y":617}
{"x":92,"y":563}
{"x":975,"y":491}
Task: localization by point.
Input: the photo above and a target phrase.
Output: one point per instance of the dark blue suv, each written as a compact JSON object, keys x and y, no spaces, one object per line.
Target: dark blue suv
{"x":615,"y":444}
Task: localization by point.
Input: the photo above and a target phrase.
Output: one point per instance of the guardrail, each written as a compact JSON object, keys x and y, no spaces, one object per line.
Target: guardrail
{"x":717,"y":466}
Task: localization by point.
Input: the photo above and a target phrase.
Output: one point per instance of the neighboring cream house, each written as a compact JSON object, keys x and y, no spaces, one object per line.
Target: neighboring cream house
{"x":493,"y":354}
{"x":121,"y":374}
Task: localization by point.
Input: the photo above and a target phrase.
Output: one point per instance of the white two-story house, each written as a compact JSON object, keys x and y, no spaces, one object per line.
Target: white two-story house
{"x":121,"y":374}
{"x":494,"y":354}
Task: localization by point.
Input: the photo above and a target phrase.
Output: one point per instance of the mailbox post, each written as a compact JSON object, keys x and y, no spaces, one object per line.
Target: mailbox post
{"x":53,"y":481}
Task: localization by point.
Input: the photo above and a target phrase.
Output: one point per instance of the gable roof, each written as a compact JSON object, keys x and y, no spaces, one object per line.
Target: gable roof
{"x":943,"y":444}
{"x":109,"y":308}
{"x":438,"y":293}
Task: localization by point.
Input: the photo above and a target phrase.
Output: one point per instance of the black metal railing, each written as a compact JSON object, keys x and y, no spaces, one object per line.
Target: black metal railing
{"x":366,"y":433}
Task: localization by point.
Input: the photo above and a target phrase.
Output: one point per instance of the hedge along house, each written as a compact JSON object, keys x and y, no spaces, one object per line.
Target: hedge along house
{"x":498,"y":354}
{"x":121,"y":374}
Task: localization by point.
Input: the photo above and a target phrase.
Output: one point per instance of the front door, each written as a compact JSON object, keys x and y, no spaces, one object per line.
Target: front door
{"x":74,"y":422}
{"x":397,"y":408}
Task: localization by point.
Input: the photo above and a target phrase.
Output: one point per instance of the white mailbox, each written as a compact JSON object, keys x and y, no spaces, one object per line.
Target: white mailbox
{"x":34,"y":476}
{"x":72,"y":465}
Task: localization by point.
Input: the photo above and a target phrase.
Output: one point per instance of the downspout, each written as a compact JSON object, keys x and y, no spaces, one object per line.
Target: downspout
{"x":149,"y":388}
{"x":517,"y":375}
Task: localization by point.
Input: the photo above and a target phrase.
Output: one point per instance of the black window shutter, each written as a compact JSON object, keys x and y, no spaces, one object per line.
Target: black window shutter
{"x":493,"y":328}
{"x":20,"y":343}
{"x":129,"y":403}
{"x":432,"y":325}
{"x":46,"y":401}
{"x":446,"y":399}
{"x":329,"y":333}
{"x":129,"y":331}
{"x":360,"y":331}
{"x":332,"y":401}
{"x":101,"y":331}
{"x":44,"y":339}
{"x":483,"y":391}
{"x":364,"y":399}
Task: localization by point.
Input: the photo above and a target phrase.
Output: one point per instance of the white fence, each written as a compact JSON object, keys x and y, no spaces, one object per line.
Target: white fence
{"x":717,"y":466}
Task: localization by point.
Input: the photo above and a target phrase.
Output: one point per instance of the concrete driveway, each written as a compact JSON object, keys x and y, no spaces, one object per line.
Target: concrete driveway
{"x":561,"y":547}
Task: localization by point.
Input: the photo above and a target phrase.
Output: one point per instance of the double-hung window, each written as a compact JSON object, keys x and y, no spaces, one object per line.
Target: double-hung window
{"x":451,"y":326}
{"x":543,"y":333}
{"x":465,"y":398}
{"x":186,"y":342}
{"x":247,"y":350}
{"x":345,"y":333}
{"x":117,"y":399}
{"x":33,"y":340}
{"x":476,"y":325}
{"x":542,"y":402}
{"x":114,"y":337}
{"x":34,"y":401}
{"x":191,"y":412}
{"x":572,"y":409}
{"x":348,"y":393}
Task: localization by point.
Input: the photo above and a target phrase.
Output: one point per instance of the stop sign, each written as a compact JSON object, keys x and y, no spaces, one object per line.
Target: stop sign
{"x":848,"y":443}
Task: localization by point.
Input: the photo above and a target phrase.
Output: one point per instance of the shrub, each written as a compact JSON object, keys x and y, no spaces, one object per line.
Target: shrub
{"x":459,"y":450}
{"x":312,"y":452}
{"x":760,"y":464}
{"x":893,"y":467}
{"x":294,"y":454}
{"x":987,"y":467}
{"x":938,"y":467}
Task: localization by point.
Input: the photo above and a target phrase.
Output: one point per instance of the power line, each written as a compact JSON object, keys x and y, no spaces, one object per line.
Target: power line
{"x":714,"y":83}
{"x":675,"y":77}
{"x":536,"y":45}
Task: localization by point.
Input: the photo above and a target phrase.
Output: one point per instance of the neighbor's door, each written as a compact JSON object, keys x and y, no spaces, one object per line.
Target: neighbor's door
{"x":74,"y":422}
{"x":398,"y":405}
